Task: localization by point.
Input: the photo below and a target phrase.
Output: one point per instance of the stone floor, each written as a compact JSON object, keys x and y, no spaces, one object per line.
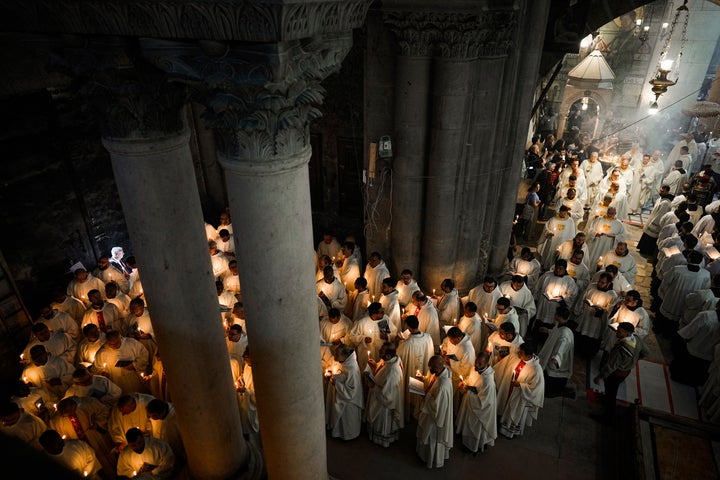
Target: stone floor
{"x":564,"y":443}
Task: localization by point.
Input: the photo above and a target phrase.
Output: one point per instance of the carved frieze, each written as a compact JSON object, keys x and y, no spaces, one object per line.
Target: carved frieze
{"x":453,"y":35}
{"x":248,"y":20}
{"x":260,"y":98}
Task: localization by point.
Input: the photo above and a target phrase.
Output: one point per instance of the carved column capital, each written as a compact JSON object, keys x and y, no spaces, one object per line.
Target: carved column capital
{"x":126,"y":96}
{"x":260,"y":97}
{"x":454,"y":35}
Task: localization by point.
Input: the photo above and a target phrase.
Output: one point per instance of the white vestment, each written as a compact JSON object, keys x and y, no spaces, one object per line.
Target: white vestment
{"x":63,"y":323}
{"x":106,"y":318}
{"x":374,"y":277}
{"x":558,"y":347}
{"x":156,"y":452}
{"x":334,"y":292}
{"x":562,"y":229}
{"x":77,"y":456}
{"x":680,"y":281}
{"x":130,"y":350}
{"x":392,"y":308}
{"x":428,"y":318}
{"x":702,"y":334}
{"x":530,"y":269}
{"x":80,"y":290}
{"x":603,"y":235}
{"x":384,"y":407}
{"x":405,"y":292}
{"x":548,"y":291}
{"x":449,"y":308}
{"x":477,"y":416}
{"x":485,"y":301}
{"x":626,"y":265}
{"x":119,"y":424}
{"x":519,"y":406}
{"x":414,"y":353}
{"x":435,"y":423}
{"x":344,"y":401}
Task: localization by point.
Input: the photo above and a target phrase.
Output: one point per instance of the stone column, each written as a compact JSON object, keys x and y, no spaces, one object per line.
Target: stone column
{"x":457,"y":44}
{"x":148,"y":144}
{"x":521,"y":79}
{"x":412,"y":89}
{"x":261,"y":98}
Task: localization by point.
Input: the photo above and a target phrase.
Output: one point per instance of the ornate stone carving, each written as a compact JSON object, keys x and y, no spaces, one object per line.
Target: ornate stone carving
{"x":260,"y":97}
{"x":128,"y":97}
{"x":248,"y":20}
{"x":454,"y":35}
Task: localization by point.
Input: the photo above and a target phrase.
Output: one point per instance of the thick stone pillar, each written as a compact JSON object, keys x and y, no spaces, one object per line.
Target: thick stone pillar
{"x":266,"y":171}
{"x":260,"y":99}
{"x":520,"y":81}
{"x":412,"y":89}
{"x":149,"y":147}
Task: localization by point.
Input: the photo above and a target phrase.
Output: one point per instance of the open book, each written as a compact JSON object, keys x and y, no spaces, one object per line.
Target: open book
{"x":416,"y":386}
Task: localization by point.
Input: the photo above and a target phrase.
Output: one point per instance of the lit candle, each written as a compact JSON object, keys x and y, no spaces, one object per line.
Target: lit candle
{"x":142,"y":375}
{"x":25,"y":379}
{"x":433,"y":291}
{"x":461,"y":378}
{"x":418,"y":373}
{"x":64,"y":437}
{"x":368,"y":353}
{"x":454,"y":321}
{"x":85,"y":473}
{"x":22,"y":355}
{"x":328,"y":373}
{"x":104,"y":365}
{"x":134,"y":473}
{"x":38,"y":404}
{"x":55,"y":406}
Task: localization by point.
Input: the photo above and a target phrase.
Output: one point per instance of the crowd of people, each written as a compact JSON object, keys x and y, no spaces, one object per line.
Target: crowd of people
{"x":93,"y":392}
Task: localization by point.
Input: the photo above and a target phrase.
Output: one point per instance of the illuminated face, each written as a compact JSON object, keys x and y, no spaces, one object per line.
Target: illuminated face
{"x":624,"y":163}
{"x":335,"y":320}
{"x":234,"y":335}
{"x":656,"y":155}
{"x":603,"y":283}
{"x":345,"y":251}
{"x":43,"y":335}
{"x":406,"y":278}
{"x":501,"y":308}
{"x":380,"y":314}
{"x":611,"y":212}
{"x":559,"y":270}
{"x":489,"y":286}
{"x":563,"y":214}
{"x":594,"y":156}
{"x":576,"y":259}
{"x":96,"y":299}
{"x":81,"y":275}
{"x":129,"y":408}
{"x":517,"y":285}
{"x":621,"y":249}
{"x":385,"y":288}
{"x":327,"y":239}
{"x":374,"y":261}
{"x":468,"y":313}
{"x":630,"y":301}
{"x":571,"y":194}
{"x":93,"y":333}
{"x":137,"y":309}
{"x":481,"y":363}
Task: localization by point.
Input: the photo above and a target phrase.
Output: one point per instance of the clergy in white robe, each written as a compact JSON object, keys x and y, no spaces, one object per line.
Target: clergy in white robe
{"x":552,"y":288}
{"x":348,"y":266}
{"x":566,"y":249}
{"x":335,"y":328}
{"x":119,"y":299}
{"x":521,"y":298}
{"x":57,"y":344}
{"x":477,"y":416}
{"x":575,"y":206}
{"x":123,"y":360}
{"x":344,"y":398}
{"x":81,"y":285}
{"x":218,"y":261}
{"x":702,"y":334}
{"x":85,"y":384}
{"x":603,"y":233}
{"x":75,"y":455}
{"x":527,"y":266}
{"x":435,"y":422}
{"x":506,"y":313}
{"x":472,"y":325}
{"x":131,"y":411}
{"x":89,"y":345}
{"x":406,"y":287}
{"x":630,"y":311}
{"x":448,"y":305}
{"x":46,"y":371}
{"x":414,"y":350}
{"x":458,"y":353}
{"x":642,"y":185}
{"x":108,"y":274}
{"x":68,"y":304}
{"x":58,"y":321}
{"x":375,"y":272}
{"x":621,"y":258}
{"x":139,"y":326}
{"x":485,"y":296}
{"x":700,"y":301}
{"x":236,"y":342}
{"x":331,"y":291}
{"x":103,"y":314}
{"x":681,"y":280}
{"x":557,"y":230}
{"x":389,"y":301}
{"x":370,"y":332}
{"x":598,"y":301}
{"x":86,"y":419}
{"x":579,"y":272}
{"x":328,"y":246}
{"x":592,"y":168}
{"x":385,"y":404}
{"x":502,"y":343}
{"x":521,"y":391}
{"x":557,"y":356}
{"x":427,"y":315}
{"x":165,"y":426}
{"x":24,"y":426}
{"x":145,"y":457}
{"x":358,"y":300}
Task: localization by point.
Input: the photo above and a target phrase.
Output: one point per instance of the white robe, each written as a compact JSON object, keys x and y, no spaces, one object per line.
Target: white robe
{"x":349,"y":272}
{"x":472,"y":327}
{"x":80,"y":290}
{"x":638,"y":317}
{"x":519,"y":406}
{"x":562,"y":229}
{"x":344,"y":401}
{"x":156,"y":453}
{"x":332,"y":332}
{"x":384,"y":407}
{"x":626,"y":265}
{"x":593,"y":176}
{"x":559,"y":347}
{"x":449,"y":308}
{"x":477,"y":416}
{"x":55,"y":367}
{"x":364,"y":328}
{"x":612,"y":231}
{"x":435,"y":423}
{"x":130,"y":350}
{"x":59,"y":345}
{"x":696,"y":302}
{"x":485,"y":301}
{"x":702,"y":334}
{"x":101,"y":388}
{"x":530,"y":269}
{"x":405,"y":292}
{"x":392,"y":308}
{"x":429,"y":322}
{"x":676,"y":285}
{"x":72,"y":306}
{"x":111,"y":318}
{"x":652,"y":224}
{"x":63,"y":323}
{"x":78,"y":457}
{"x":374,"y":277}
{"x":522,"y":299}
{"x":550,"y":285}
{"x":27,"y":429}
{"x":589,"y":323}
{"x":334,"y":291}
{"x":119,"y":424}
{"x":414,"y":353}
{"x":111,"y":274}
{"x":167,"y":430}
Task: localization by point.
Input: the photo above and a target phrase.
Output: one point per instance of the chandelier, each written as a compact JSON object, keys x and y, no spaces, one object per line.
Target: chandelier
{"x":661,"y":82}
